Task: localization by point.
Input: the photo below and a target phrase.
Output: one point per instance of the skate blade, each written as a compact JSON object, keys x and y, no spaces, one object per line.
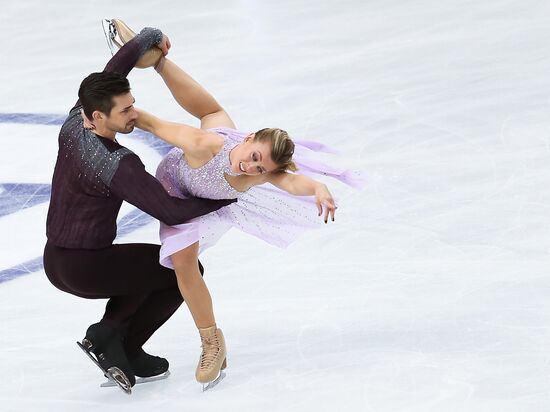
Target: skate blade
{"x":113,"y":373}
{"x":210,"y":385}
{"x":111,"y":383}
{"x":119,"y":378}
{"x":110,"y":34}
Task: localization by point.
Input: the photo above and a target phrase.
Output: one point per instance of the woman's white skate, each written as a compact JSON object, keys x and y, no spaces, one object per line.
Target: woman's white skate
{"x":213,"y":359}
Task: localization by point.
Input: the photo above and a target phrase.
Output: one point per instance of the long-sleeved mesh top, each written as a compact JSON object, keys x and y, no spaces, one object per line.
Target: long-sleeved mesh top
{"x":93,"y":175}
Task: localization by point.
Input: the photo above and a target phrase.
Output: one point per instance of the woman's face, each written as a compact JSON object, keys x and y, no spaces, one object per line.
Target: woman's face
{"x":252,"y":158}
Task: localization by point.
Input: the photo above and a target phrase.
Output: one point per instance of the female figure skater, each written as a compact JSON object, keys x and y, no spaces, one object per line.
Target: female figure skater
{"x":219,"y":162}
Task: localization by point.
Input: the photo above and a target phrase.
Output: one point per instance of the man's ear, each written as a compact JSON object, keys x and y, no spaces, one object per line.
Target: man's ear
{"x":97,"y":115}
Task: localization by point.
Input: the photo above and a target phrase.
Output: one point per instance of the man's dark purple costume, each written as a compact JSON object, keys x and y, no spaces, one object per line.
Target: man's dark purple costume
{"x":92,"y":176}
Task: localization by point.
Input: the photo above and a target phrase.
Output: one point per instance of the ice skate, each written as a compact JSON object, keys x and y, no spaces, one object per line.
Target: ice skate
{"x":147,"y":368}
{"x":213,"y":358}
{"x":103,"y":346}
{"x":118,"y":34}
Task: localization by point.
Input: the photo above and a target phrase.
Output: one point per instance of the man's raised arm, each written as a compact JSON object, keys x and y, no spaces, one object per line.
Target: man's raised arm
{"x":126,"y":58}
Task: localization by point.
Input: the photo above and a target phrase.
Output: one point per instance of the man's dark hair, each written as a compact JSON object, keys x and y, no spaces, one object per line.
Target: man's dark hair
{"x":96,"y":91}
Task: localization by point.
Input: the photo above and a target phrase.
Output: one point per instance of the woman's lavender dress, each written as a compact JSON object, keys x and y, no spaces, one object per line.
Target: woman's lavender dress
{"x":263,"y":211}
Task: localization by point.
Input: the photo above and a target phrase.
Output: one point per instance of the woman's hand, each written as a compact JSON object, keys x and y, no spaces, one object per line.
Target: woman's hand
{"x":85,"y":121}
{"x":324,"y":200}
{"x":164,"y":45}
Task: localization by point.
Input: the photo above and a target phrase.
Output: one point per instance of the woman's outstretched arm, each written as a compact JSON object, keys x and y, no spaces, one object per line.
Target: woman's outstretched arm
{"x":300,"y":185}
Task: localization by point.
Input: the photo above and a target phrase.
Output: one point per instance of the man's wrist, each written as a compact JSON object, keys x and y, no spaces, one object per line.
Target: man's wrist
{"x":156,"y":34}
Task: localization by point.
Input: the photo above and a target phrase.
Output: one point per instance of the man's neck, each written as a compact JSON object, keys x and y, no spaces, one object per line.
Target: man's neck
{"x":106,"y":133}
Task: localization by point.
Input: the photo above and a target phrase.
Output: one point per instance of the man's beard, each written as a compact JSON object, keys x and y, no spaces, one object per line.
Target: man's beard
{"x":129,"y":128}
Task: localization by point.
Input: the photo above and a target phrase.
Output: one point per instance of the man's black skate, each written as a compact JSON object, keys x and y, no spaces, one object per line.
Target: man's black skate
{"x":103,"y":345}
{"x":147,"y":367}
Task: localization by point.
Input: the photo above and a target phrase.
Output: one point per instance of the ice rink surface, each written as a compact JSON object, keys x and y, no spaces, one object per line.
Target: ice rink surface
{"x":430,"y":292}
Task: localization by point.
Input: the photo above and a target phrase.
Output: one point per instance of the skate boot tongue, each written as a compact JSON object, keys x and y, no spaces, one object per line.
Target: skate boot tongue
{"x":100,"y":335}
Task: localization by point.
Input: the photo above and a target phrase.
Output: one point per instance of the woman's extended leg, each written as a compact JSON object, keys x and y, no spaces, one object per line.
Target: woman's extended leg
{"x":189,"y":94}
{"x":194,"y":98}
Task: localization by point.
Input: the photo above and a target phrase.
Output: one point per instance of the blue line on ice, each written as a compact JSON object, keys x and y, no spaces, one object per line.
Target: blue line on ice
{"x":19,"y":196}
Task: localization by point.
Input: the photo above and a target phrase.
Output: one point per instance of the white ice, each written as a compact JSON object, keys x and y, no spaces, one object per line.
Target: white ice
{"x":430,"y":292}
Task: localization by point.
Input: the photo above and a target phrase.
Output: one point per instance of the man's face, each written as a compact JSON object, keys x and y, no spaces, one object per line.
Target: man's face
{"x":123,"y":114}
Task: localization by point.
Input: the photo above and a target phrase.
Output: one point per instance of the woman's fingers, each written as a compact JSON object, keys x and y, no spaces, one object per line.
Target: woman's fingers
{"x":85,"y":122}
{"x":330,"y":209}
{"x":165,"y":45}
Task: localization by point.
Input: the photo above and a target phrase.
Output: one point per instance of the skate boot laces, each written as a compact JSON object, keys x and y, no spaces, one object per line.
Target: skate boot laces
{"x":211,"y":349}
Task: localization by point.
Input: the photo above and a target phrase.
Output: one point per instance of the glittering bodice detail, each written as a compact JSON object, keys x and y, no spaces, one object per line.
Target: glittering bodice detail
{"x":209,"y":180}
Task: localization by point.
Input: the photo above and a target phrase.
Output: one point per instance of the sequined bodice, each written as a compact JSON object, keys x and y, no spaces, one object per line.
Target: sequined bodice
{"x":209,"y":180}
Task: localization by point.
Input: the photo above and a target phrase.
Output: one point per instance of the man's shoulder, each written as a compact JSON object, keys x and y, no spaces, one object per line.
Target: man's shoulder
{"x":123,"y":153}
{"x":73,"y":122}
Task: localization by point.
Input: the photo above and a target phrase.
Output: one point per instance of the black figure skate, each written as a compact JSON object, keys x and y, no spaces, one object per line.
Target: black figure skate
{"x":103,"y":345}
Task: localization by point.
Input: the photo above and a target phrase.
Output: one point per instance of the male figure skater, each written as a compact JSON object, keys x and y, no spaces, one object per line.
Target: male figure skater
{"x":92,"y":176}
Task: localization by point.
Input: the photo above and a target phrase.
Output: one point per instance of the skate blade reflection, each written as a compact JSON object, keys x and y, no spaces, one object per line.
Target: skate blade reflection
{"x":111,"y":383}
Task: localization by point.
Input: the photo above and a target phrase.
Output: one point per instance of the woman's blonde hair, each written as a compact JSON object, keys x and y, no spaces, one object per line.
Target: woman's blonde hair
{"x":282,"y":148}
